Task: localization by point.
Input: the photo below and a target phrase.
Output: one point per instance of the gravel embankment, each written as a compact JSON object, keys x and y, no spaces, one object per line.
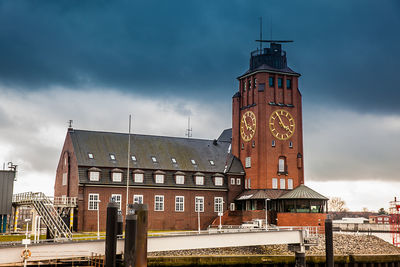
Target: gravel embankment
{"x":343,"y":245}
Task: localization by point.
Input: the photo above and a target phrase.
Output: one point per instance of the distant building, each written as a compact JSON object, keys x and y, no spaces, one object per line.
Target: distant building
{"x":380,"y":219}
{"x":253,"y":167}
{"x":352,"y":220}
{"x":7,"y":178}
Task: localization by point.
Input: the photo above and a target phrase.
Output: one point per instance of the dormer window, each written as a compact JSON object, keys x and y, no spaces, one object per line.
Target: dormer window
{"x":94,"y":174}
{"x":199,"y":178}
{"x":193,"y":161}
{"x":159,"y":177}
{"x":116,"y":175}
{"x":90,"y":155}
{"x":219,"y":179}
{"x":138,"y":176}
{"x":154,"y":159}
{"x":179,"y":178}
{"x":212,"y":163}
{"x":112,"y":156}
{"x":173,"y":160}
{"x":133,"y":158}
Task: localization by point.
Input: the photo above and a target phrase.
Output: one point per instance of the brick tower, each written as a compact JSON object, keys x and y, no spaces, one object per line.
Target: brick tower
{"x":267,"y":132}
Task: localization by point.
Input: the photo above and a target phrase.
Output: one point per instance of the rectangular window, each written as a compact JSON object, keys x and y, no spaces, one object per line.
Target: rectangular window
{"x":112,"y":156}
{"x":199,"y":204}
{"x":159,"y":178}
{"x":94,"y":176}
{"x":232,"y":207}
{"x":289,"y":84}
{"x":212,"y":163}
{"x":290,"y":183}
{"x":90,"y":155}
{"x":248,"y":162}
{"x":290,"y":144}
{"x":159,"y":203}
{"x":93,"y":201}
{"x":271,"y":81}
{"x":193,"y":161}
{"x":199,"y":180}
{"x":138,"y":199}
{"x":283,"y":184}
{"x":154,"y":159}
{"x":180,"y":179}
{"x":273,"y":143}
{"x":219,"y":181}
{"x":218,"y":204}
{"x":64,"y":178}
{"x":238,"y":181}
{"x":281,"y":167}
{"x":133,"y":158}
{"x":280,"y":82}
{"x":274,"y":183}
{"x":249,"y":183}
{"x":117,"y":198}
{"x":117,"y":177}
{"x":261,"y":87}
{"x":138,"y":177}
{"x":173,"y":160}
{"x":245,"y":183}
{"x":179,"y":203}
{"x":232,"y":181}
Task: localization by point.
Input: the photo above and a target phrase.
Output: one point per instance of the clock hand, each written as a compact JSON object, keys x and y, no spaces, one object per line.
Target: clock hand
{"x":281,"y":122}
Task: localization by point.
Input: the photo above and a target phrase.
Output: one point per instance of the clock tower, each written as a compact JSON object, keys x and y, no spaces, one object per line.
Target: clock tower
{"x":267,"y":132}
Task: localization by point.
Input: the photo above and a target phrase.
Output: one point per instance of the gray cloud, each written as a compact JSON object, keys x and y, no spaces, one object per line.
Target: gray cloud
{"x":347,"y":52}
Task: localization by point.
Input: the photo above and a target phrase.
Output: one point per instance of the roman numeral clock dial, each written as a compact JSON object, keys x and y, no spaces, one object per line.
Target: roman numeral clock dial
{"x":281,"y":124}
{"x":248,"y":126}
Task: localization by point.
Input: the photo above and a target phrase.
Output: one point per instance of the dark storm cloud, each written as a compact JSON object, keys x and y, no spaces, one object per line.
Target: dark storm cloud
{"x":347,"y":51}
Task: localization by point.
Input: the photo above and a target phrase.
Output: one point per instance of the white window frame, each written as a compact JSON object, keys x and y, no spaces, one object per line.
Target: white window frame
{"x":117,"y":199}
{"x":115,"y":176}
{"x":219,"y":181}
{"x":138,"y":177}
{"x":273,"y":143}
{"x":281,"y":165}
{"x":112,"y":157}
{"x":64,"y":178}
{"x":199,"y":179}
{"x":93,"y":201}
{"x":238,"y":181}
{"x":179,"y":203}
{"x":290,"y":183}
{"x":159,"y":178}
{"x":218,"y":204}
{"x":248,"y":162}
{"x":232,"y":181}
{"x":249,"y":183}
{"x":159,"y":203}
{"x":232,"y":207}
{"x":282,"y":183}
{"x":92,"y":176}
{"x":180,"y":179}
{"x":274,"y":183}
{"x":90,"y":156}
{"x":138,"y":199}
{"x":199,"y":204}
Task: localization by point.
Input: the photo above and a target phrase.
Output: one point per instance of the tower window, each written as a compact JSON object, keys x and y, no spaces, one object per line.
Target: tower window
{"x":255,"y":82}
{"x":290,"y":183}
{"x":274,"y":183}
{"x":280,"y":82}
{"x":282,"y":185}
{"x":248,"y":162}
{"x":271,"y":81}
{"x":291,"y":144}
{"x":242,"y":145}
{"x":244,"y":86}
{"x":253,"y":143}
{"x":289,"y":84}
{"x":281,"y":165}
{"x":273,"y":143}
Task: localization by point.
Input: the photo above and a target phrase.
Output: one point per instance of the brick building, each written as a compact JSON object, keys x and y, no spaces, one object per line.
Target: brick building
{"x":256,"y":164}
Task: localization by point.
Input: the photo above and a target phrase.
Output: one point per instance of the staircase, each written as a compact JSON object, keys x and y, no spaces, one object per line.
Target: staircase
{"x":44,"y":207}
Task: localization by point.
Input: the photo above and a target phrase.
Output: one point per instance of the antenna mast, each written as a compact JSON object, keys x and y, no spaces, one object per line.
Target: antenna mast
{"x":189,"y":129}
{"x":70,"y":123}
{"x":261,"y":33}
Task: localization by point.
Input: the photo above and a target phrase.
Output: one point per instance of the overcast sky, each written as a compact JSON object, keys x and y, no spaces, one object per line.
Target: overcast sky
{"x":96,"y":62}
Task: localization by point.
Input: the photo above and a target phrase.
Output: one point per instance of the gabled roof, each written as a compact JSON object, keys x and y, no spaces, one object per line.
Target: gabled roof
{"x":303,"y":192}
{"x":143,"y":147}
{"x":261,"y":194}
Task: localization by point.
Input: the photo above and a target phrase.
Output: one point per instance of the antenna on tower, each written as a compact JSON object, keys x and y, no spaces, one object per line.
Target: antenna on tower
{"x":261,"y":33}
{"x":70,"y":123}
{"x":189,"y":129}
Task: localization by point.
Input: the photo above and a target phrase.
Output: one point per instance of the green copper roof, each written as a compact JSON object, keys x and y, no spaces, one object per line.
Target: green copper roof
{"x":303,"y":192}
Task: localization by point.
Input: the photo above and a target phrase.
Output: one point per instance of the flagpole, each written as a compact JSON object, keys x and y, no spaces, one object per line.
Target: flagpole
{"x":129,"y":160}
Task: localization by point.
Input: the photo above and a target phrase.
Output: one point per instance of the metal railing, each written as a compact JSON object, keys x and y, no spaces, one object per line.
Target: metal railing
{"x":45,"y":208}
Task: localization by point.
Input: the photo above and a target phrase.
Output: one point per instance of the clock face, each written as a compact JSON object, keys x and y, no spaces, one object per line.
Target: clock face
{"x":281,"y":124}
{"x":248,"y":126}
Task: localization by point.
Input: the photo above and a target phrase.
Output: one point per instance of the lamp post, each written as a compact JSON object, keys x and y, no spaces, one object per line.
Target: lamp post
{"x":98,"y":219}
{"x":266,"y":214}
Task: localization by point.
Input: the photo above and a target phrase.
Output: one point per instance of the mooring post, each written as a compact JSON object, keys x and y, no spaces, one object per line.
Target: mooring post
{"x":329,"y":243}
{"x":140,"y":210}
{"x":300,"y":259}
{"x":130,"y":238}
{"x":111,"y":233}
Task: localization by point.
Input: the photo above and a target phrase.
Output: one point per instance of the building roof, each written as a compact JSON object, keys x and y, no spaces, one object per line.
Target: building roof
{"x":204,"y":152}
{"x":265,"y":67}
{"x":303,"y":192}
{"x":261,"y":194}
